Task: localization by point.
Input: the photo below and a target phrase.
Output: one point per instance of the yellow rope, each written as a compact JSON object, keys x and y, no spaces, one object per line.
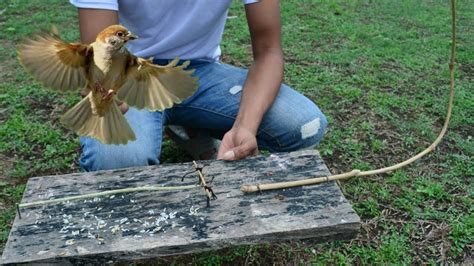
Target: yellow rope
{"x":356,"y":172}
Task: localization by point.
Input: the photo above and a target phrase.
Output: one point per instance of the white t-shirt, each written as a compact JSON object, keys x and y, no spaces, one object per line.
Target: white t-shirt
{"x":190,"y":29}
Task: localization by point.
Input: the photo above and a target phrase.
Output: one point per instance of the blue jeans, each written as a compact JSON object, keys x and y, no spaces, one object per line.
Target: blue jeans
{"x":293,"y":122}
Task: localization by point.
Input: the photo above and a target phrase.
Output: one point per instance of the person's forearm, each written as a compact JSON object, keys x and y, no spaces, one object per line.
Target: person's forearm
{"x":93,"y":21}
{"x":260,"y":89}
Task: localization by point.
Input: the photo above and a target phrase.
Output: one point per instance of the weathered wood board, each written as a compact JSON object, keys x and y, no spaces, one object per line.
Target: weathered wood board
{"x":151,"y":224}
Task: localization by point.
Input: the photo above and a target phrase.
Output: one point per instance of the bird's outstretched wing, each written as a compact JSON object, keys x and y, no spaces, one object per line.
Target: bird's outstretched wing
{"x":55,"y":63}
{"x":156,"y":87}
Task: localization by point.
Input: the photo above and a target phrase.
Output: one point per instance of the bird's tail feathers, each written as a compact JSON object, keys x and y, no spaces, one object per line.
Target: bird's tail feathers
{"x":111,"y":128}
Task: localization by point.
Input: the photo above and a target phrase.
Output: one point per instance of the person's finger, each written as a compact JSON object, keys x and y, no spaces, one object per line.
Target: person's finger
{"x":221,"y":152}
{"x":229,"y":156}
{"x":225,"y":146}
{"x":123,"y":106}
{"x":256,"y":152}
{"x":242,"y":151}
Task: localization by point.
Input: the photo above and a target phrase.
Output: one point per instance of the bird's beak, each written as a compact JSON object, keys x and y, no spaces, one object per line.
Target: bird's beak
{"x":131,"y":36}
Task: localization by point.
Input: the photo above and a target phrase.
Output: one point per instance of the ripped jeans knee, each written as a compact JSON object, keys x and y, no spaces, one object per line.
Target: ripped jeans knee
{"x":294,"y":122}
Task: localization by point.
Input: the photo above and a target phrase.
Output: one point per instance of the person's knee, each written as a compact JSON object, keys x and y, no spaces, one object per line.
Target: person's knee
{"x":293,"y":122}
{"x":304,"y":133}
{"x":96,"y":156}
{"x":312,"y":132}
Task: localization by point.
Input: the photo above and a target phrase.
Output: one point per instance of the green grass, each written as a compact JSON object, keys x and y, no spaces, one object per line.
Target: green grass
{"x":378,"y":69}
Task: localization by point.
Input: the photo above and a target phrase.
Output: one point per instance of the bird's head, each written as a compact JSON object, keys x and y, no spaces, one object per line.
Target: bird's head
{"x":115,"y":36}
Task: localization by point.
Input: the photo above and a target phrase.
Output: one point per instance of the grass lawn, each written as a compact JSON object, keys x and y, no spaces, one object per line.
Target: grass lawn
{"x":378,"y":69}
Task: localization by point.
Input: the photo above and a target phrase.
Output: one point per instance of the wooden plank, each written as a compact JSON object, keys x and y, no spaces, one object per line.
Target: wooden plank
{"x":151,"y":224}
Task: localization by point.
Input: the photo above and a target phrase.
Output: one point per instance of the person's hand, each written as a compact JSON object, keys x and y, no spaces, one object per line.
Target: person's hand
{"x":238,"y":143}
{"x":123,"y":106}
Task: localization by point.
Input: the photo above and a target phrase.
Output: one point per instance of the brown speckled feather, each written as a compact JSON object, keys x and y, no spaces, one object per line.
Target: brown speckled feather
{"x":156,"y":87}
{"x":55,"y":63}
{"x":111,"y":128}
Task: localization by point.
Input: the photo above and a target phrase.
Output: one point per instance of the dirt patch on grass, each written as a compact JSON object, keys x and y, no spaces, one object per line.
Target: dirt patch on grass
{"x":8,"y":63}
{"x":467,"y":70}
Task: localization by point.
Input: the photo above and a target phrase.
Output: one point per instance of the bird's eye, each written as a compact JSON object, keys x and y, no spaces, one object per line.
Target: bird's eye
{"x":120,"y":34}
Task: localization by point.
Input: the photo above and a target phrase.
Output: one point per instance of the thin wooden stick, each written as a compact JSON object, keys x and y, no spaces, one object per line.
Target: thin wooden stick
{"x":117,"y":191}
{"x":104,"y":193}
{"x":356,"y":172}
{"x":203,"y":180}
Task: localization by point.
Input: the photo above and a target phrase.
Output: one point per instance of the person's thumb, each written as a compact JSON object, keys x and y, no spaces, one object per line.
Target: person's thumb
{"x":229,"y":156}
{"x":123,"y":107}
{"x":240,"y":152}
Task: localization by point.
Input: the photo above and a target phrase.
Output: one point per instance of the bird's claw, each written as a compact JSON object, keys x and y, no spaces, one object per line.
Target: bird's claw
{"x":106,"y":94}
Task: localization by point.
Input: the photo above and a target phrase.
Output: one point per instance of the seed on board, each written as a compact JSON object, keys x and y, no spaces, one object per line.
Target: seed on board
{"x":193,"y":211}
{"x":75,"y":233}
{"x":115,"y":229}
{"x":89,"y":235}
{"x":42,"y":252}
{"x":158,"y":228}
{"x":101,"y":224}
{"x":70,"y":242}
